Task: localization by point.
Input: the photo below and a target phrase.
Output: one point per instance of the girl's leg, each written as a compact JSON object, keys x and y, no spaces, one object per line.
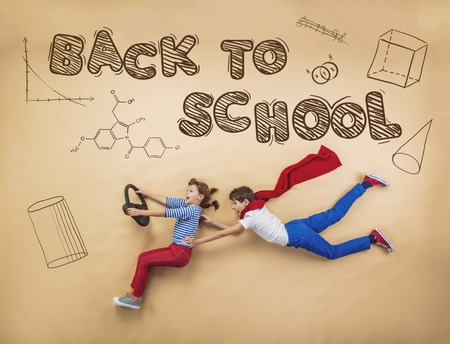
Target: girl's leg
{"x":174,"y":255}
{"x":323,"y":220}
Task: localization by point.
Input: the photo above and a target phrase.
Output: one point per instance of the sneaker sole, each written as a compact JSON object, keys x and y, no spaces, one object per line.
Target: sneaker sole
{"x":381,"y":180}
{"x":118,"y":303}
{"x":387,"y":240}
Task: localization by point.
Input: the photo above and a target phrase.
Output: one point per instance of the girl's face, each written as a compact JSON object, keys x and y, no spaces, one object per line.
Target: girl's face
{"x":192,"y":196}
{"x":239,"y":206}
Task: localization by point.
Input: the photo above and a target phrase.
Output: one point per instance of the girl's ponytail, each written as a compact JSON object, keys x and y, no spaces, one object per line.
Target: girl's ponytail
{"x":214,"y":204}
{"x":204,"y":190}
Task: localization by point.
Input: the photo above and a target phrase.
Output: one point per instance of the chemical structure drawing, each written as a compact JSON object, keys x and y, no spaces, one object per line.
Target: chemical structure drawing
{"x":106,"y":138}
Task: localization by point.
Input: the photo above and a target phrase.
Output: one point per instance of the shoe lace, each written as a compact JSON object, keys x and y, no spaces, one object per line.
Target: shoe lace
{"x":382,"y":244}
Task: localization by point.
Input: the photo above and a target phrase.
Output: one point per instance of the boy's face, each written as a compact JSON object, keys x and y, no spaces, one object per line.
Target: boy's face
{"x":239,"y":206}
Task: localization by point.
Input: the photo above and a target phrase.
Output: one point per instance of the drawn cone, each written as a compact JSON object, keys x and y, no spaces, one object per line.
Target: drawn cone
{"x":409,"y":156}
{"x":57,"y":232}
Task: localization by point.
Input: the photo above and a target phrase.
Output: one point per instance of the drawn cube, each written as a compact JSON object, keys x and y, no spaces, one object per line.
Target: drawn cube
{"x":399,"y":59}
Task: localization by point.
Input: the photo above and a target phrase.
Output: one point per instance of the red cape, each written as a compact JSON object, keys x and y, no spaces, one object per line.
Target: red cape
{"x":312,"y":166}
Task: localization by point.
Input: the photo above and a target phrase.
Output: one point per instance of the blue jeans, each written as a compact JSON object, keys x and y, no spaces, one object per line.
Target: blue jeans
{"x":304,"y":233}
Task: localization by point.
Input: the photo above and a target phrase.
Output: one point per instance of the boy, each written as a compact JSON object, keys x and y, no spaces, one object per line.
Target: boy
{"x":304,"y":233}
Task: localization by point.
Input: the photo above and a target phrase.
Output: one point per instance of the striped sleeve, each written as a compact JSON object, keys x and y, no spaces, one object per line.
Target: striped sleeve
{"x":172,"y":202}
{"x":182,"y":213}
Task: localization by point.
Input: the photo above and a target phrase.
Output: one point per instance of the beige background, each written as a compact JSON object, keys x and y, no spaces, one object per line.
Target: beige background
{"x":239,"y":289}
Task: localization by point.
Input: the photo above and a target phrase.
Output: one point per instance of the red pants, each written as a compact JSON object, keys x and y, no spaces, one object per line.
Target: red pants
{"x":174,"y":255}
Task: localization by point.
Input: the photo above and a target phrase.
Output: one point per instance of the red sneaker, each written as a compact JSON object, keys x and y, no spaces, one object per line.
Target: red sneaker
{"x":382,"y":240}
{"x":375,"y":180}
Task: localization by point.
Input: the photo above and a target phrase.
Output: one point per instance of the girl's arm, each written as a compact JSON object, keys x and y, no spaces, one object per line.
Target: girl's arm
{"x":153,"y":197}
{"x":235,"y":229}
{"x":143,"y":212}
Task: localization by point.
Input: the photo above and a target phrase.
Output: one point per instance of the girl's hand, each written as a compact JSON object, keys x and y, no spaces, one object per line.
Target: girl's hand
{"x":205,"y":219}
{"x":142,"y":192}
{"x":133,"y":212}
{"x":190,"y":241}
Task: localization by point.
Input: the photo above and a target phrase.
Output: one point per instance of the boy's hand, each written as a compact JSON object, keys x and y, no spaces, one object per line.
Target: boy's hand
{"x":205,"y":219}
{"x":190,"y":241}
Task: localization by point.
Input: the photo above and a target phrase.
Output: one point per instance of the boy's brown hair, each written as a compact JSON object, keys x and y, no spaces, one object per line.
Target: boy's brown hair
{"x":242,"y":193}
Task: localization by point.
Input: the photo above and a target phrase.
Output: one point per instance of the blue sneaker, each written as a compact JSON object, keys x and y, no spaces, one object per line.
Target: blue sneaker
{"x":127,"y":301}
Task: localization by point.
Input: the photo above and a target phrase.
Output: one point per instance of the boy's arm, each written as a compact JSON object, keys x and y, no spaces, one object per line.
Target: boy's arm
{"x":211,"y":222}
{"x":235,"y":229}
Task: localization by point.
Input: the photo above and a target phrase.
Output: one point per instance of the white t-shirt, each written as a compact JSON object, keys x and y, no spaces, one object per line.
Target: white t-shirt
{"x":266,"y":225}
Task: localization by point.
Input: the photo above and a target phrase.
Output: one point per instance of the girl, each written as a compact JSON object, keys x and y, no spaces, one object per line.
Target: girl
{"x":187,"y":214}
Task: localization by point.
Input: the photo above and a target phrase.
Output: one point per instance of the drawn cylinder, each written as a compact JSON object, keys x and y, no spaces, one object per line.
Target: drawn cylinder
{"x":56,"y":232}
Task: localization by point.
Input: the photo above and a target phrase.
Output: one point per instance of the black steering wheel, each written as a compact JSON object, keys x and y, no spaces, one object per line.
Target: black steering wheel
{"x":141,"y":219}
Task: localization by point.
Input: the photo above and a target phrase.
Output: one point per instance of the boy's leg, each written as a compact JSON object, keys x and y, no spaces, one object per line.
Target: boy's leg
{"x":300,"y":235}
{"x":320,"y":246}
{"x":323,"y":220}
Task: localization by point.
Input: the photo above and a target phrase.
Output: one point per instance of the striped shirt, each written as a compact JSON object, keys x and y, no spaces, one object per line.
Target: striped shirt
{"x":187,"y":219}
